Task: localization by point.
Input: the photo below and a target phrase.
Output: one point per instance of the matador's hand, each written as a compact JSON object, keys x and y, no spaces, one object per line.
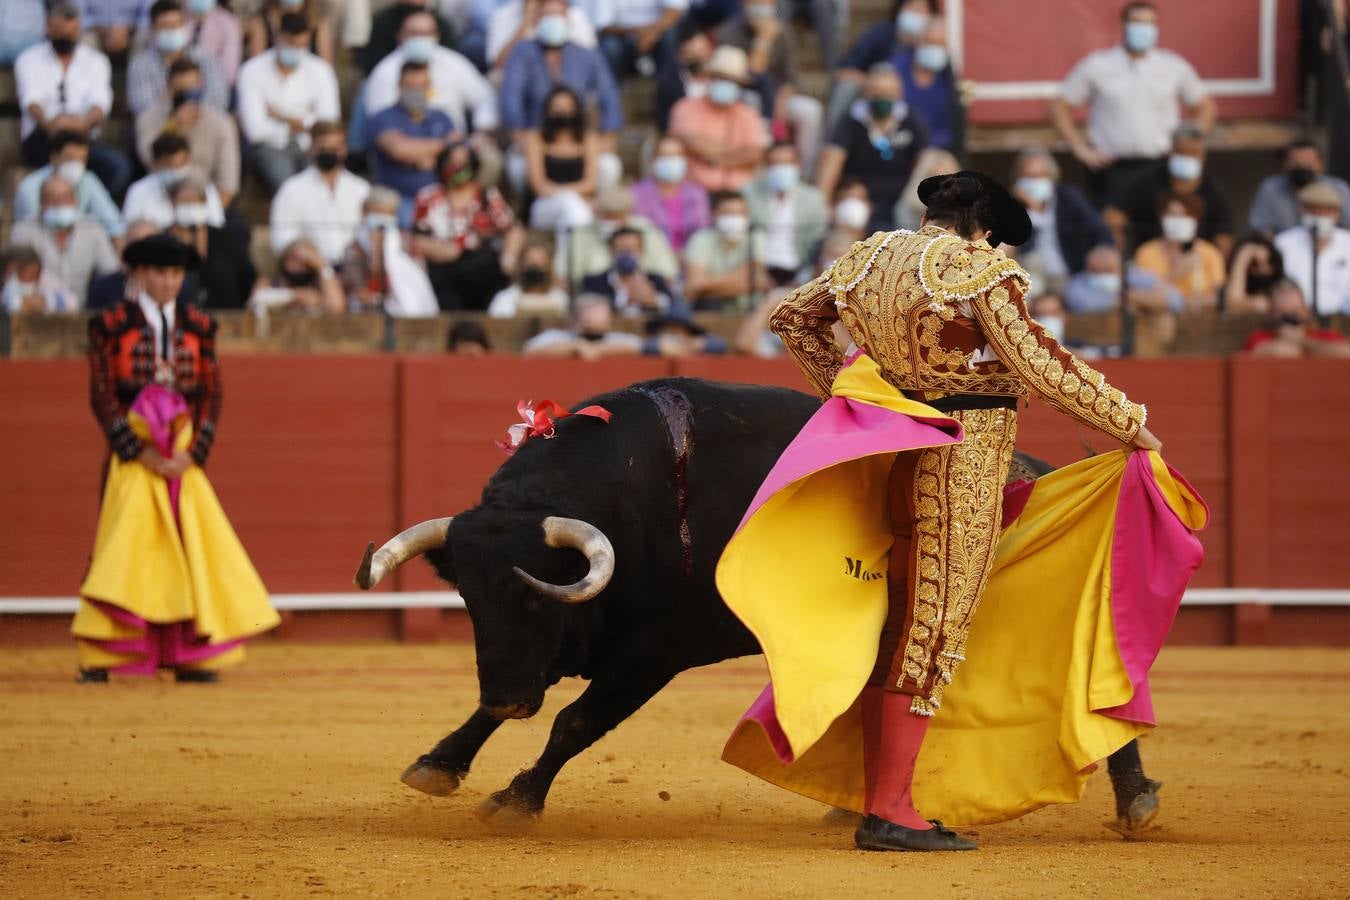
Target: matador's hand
{"x":1146,"y":440}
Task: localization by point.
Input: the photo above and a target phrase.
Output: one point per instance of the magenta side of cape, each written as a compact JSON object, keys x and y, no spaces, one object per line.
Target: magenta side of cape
{"x":159,"y":406}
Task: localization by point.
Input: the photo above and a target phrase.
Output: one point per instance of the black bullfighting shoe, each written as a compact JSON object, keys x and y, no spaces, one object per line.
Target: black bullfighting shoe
{"x":91,"y":676}
{"x":195,"y":676}
{"x":875,"y":833}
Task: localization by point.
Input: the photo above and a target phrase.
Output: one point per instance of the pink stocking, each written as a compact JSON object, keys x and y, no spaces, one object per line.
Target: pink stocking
{"x":892,"y":736}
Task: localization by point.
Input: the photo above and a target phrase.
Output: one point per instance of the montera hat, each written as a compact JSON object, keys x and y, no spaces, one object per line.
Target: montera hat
{"x":1011,"y":225}
{"x":162,"y":250}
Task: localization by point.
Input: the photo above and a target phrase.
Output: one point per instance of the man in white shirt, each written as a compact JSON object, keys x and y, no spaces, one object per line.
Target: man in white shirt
{"x":790,"y":213}
{"x":1134,"y":93}
{"x":1328,"y":290}
{"x":457,"y":88}
{"x":322,"y":203}
{"x":281,"y":94}
{"x":63,"y":84}
{"x":149,"y":199}
{"x":73,"y":249}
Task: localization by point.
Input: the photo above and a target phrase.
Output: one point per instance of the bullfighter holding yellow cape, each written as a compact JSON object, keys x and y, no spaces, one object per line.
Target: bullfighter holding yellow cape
{"x":893,"y":582}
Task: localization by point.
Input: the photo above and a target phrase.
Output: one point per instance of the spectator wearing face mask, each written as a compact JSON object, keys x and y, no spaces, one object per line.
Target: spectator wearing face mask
{"x":1327,"y":291}
{"x":150,"y":198}
{"x":1134,"y":93}
{"x":878,"y":143}
{"x":378,"y":272}
{"x":724,"y":264}
{"x":1276,"y":207}
{"x":789,"y":213}
{"x":880,"y":43}
{"x":1291,"y":332}
{"x":212,"y":136}
{"x":668,"y":197}
{"x":509,"y":22}
{"x":931,"y":89}
{"x":532,"y":291}
{"x":304,"y":282}
{"x":909,"y":209}
{"x":1256,"y":266}
{"x":674,"y":334}
{"x":685,"y":76}
{"x":1189,"y":263}
{"x":386,"y":28}
{"x":216,"y":34}
{"x":28,"y":289}
{"x":629,"y":289}
{"x":70,"y":154}
{"x":323,"y":202}
{"x":591,"y":336}
{"x":724,"y":136}
{"x":1133,"y":213}
{"x":170,"y":41}
{"x":562,"y":160}
{"x":265,"y":30}
{"x":73,"y":248}
{"x":849,"y":217}
{"x":1064,"y":224}
{"x":408,"y":138}
{"x":585,"y":251}
{"x":282,"y":93}
{"x":1097,"y":289}
{"x":226,"y":275}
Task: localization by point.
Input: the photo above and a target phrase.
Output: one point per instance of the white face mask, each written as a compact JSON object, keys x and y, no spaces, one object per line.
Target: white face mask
{"x":732,"y":225}
{"x":1185,"y":168}
{"x":1322,"y":226}
{"x":1179,"y":229}
{"x":852,"y":212}
{"x":71,"y":170}
{"x":191,"y":215}
{"x":1037,"y":190}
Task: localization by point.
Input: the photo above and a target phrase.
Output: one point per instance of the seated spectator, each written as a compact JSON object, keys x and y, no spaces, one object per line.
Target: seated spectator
{"x":23,"y":24}
{"x":760,"y":32}
{"x":591,"y":336}
{"x":848,"y":222}
{"x":629,"y":289}
{"x":150,"y":199}
{"x":106,"y":291}
{"x":674,"y":334}
{"x":64,"y":85}
{"x":562,"y":160}
{"x":409,"y":137}
{"x":724,"y":265}
{"x":1276,"y":207}
{"x":514,"y":21}
{"x":1329,"y":291}
{"x":686,"y":76}
{"x":1291,"y":332}
{"x":932,"y":88}
{"x":378,"y":272}
{"x":724,"y":136}
{"x":789,"y":213}
{"x":466,"y":233}
{"x":73,"y":248}
{"x":304,"y":281}
{"x":113,"y":23}
{"x":585,"y":251}
{"x":170,"y":41}
{"x":216,"y":34}
{"x":386,"y":26}
{"x":282,"y":93}
{"x":28,"y":289}
{"x":878,"y":44}
{"x":323,"y":202}
{"x":878,"y":143}
{"x":213,"y":139}
{"x":1097,"y":288}
{"x":70,"y":155}
{"x":1064,"y":224}
{"x":226,"y":275}
{"x":264,"y":30}
{"x":1256,"y":267}
{"x":468,"y":338}
{"x":641,"y":38}
{"x":533,"y":292}
{"x":909,"y":209}
{"x":668,"y":197}
{"x":1188,"y":263}
{"x":1133,"y":212}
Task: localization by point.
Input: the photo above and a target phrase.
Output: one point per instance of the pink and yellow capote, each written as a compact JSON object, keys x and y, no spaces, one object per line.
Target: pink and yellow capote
{"x":1089,"y":573}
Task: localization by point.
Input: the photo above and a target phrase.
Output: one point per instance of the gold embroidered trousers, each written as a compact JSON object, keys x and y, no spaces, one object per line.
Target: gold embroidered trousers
{"x":946,"y":508}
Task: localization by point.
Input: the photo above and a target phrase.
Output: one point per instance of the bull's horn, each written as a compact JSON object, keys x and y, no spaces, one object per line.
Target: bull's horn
{"x":583,"y":536}
{"x":414,"y":541}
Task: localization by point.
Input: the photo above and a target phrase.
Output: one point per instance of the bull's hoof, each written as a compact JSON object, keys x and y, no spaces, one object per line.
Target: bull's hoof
{"x":1140,"y":816}
{"x":505,"y":817}
{"x":430,"y":780}
{"x":839,"y":817}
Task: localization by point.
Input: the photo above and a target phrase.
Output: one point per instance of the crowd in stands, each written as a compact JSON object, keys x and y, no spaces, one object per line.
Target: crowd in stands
{"x":479,"y":165}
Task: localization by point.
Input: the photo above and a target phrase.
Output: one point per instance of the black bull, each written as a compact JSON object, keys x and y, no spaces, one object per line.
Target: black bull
{"x":650,"y":500}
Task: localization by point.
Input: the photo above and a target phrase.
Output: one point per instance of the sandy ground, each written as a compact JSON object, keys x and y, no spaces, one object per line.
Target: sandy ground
{"x":282,"y":781}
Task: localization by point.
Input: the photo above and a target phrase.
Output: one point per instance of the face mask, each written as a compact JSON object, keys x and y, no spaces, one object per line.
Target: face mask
{"x":21,"y":288}
{"x":71,"y":170}
{"x":723,"y":92}
{"x":182,"y":97}
{"x":561,"y":123}
{"x":732,"y":225}
{"x":551,"y":31}
{"x":292,"y":4}
{"x":1179,"y":229}
{"x":1037,"y":190}
{"x":533,"y":277}
{"x":1140,"y":37}
{"x":1260,"y":282}
{"x":626,"y":263}
{"x":880,"y":107}
{"x":302,"y":278}
{"x":419,"y":48}
{"x":669,"y":169}
{"x":1302,"y":177}
{"x":376,"y":221}
{"x":1054,"y":326}
{"x":1105,"y":283}
{"x":782,"y":177}
{"x":463,"y":175}
{"x":852,"y":212}
{"x":59,"y":217}
{"x":191,"y":215}
{"x":933,"y":57}
{"x":171,"y":40}
{"x":289,"y":56}
{"x":200,"y":7}
{"x":63,"y":46}
{"x":1322,"y":226}
{"x":171,"y":177}
{"x":413,"y":99}
{"x":910,"y":23}
{"x":327,"y":160}
{"x":1185,"y":168}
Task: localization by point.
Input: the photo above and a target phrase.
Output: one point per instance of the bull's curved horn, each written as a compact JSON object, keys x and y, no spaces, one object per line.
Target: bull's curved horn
{"x":402,"y":547}
{"x":583,"y":536}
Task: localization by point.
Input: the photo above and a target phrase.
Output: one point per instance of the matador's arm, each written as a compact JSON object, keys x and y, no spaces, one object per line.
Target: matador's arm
{"x":803,"y":322}
{"x":1060,"y":378}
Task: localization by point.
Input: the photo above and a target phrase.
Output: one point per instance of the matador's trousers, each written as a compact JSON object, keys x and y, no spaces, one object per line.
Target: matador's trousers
{"x":946,"y":507}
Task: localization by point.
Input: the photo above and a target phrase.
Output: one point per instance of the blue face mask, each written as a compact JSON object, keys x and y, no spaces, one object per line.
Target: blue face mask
{"x":1140,"y":37}
{"x":626,"y":263}
{"x":171,"y":40}
{"x":58,"y":217}
{"x":419,"y":49}
{"x":669,"y":169}
{"x":1105,"y":283}
{"x":723,"y":92}
{"x":551,"y":31}
{"x":782,"y":177}
{"x":200,"y":7}
{"x":1037,"y":190}
{"x":910,"y":23}
{"x":1184,"y":168}
{"x":289,"y":56}
{"x":933,"y":57}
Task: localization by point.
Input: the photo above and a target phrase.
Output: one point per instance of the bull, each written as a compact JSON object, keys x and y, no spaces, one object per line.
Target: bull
{"x":592,"y":556}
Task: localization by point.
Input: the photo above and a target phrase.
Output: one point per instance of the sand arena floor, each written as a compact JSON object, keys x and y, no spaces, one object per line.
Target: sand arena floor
{"x":283,"y":782}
